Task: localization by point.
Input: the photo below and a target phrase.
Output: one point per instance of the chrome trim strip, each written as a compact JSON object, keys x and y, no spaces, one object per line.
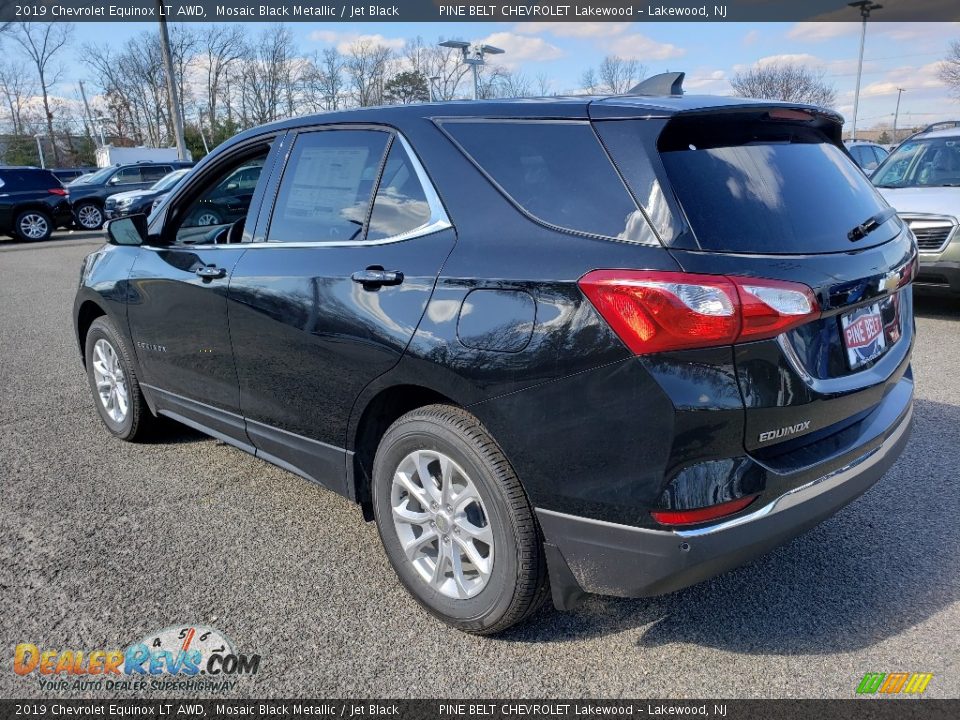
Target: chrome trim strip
{"x":788,"y":500}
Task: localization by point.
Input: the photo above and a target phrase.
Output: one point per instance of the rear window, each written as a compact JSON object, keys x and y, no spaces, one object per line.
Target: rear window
{"x":556,"y":171}
{"x":28,"y":180}
{"x":778,"y":197}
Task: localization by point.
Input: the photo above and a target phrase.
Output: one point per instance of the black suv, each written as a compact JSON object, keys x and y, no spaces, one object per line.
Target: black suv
{"x":611,"y":345}
{"x":89,"y":194}
{"x":33,"y":203}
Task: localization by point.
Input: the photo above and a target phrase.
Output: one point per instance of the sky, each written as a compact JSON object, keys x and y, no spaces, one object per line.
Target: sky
{"x":897,"y":55}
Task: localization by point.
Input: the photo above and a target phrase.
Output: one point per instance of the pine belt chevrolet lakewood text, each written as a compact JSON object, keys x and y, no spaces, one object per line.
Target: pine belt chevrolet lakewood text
{"x":604,"y":345}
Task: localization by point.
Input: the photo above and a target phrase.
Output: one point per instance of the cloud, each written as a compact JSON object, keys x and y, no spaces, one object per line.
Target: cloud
{"x":751,"y":37}
{"x":820,"y":31}
{"x":640,"y":47}
{"x":575,"y":30}
{"x":704,"y":81}
{"x":343,"y":41}
{"x":912,"y":79}
{"x":520,"y":48}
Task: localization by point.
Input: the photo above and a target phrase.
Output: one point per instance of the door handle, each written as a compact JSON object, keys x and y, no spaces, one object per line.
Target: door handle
{"x":375,"y":277}
{"x":211,"y":272}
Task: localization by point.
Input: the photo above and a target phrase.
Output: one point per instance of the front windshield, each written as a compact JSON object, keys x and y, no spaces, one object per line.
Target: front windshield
{"x":100,"y":176}
{"x":928,"y":162}
{"x":168,"y":180}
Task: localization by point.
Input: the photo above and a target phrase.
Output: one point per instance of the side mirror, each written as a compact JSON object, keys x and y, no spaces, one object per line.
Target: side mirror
{"x":130,"y":230}
{"x":115,"y":180}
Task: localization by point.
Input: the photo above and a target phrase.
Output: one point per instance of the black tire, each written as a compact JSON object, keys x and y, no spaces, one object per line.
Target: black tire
{"x":82,"y":209}
{"x":138,"y":420}
{"x":33,"y":219}
{"x":517,"y":584}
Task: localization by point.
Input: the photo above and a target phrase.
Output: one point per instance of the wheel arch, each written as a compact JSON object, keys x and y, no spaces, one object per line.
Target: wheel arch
{"x":378,"y":413}
{"x":88,"y":311}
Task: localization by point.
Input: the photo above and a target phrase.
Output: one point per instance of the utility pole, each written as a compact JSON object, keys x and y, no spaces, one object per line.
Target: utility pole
{"x":896,"y":115}
{"x":173,"y":102}
{"x":86,"y":107}
{"x":40,"y":151}
{"x":865,"y":6}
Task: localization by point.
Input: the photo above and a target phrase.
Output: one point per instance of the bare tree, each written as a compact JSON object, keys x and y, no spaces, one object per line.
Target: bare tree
{"x":785,"y":81}
{"x":543,"y":85}
{"x":17,"y":89}
{"x":949,"y":70}
{"x":222,"y":47}
{"x":42,"y":43}
{"x":617,"y":74}
{"x":266,"y":77}
{"x":506,"y":84}
{"x":614,"y":76}
{"x":366,"y":67}
{"x":323,"y":81}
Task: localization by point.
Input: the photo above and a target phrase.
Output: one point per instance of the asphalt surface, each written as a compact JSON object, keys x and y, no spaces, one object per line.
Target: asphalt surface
{"x":102,"y":542}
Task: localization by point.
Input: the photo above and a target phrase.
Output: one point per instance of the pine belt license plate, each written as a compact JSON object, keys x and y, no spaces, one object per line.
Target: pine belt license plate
{"x":863,"y":335}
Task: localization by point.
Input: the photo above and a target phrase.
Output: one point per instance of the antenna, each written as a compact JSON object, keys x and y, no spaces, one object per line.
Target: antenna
{"x":670,"y":83}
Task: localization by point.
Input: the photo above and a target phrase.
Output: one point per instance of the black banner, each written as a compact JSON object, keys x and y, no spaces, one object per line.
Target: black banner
{"x":863,"y":709}
{"x":463,"y":11}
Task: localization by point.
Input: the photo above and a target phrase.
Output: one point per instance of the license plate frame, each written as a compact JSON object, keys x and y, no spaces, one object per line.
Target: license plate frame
{"x":863,"y":336}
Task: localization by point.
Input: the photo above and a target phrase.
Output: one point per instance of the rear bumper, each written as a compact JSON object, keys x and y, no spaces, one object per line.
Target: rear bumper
{"x":594,"y":556}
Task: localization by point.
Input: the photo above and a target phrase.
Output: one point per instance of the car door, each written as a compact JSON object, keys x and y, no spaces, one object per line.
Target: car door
{"x":331,"y":290}
{"x":177,"y":306}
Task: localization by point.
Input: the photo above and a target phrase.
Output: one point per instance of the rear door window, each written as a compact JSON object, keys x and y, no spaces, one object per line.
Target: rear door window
{"x":779,"y":197}
{"x":556,"y":171}
{"x":327,"y":186}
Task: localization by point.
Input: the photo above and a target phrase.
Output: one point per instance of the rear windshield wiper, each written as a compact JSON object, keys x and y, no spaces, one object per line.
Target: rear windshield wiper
{"x":870,"y":224}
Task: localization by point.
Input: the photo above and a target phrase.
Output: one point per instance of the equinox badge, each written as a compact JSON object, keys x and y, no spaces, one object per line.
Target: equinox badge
{"x":785,"y":431}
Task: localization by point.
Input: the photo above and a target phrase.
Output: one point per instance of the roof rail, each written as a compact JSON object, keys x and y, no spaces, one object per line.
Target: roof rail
{"x":670,"y":83}
{"x":942,"y":125}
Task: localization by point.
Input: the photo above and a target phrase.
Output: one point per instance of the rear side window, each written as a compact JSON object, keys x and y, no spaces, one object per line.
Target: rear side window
{"x":151,"y":173}
{"x":556,"y":171}
{"x":327,"y":186}
{"x":401,"y":204}
{"x":778,"y":196}
{"x":13,"y":180}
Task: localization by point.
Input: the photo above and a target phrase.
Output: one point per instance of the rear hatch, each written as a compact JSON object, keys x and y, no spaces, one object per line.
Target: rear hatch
{"x":768,"y":192}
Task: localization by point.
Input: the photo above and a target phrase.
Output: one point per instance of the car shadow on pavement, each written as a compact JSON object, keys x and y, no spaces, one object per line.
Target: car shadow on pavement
{"x":884,"y":563}
{"x":940,"y":307}
{"x":170,"y":432}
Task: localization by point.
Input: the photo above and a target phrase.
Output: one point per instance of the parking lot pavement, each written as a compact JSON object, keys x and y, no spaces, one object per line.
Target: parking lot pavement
{"x":102,"y":542}
{"x":58,"y":239}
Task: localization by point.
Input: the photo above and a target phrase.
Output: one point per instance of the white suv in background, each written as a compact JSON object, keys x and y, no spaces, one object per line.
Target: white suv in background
{"x":921,"y":179}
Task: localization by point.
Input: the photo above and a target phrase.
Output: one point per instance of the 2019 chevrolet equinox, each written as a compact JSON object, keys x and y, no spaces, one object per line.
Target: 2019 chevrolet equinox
{"x":583,"y":345}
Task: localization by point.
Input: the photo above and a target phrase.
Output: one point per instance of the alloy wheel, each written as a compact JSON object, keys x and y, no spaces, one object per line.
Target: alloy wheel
{"x":110,"y":380}
{"x":90,"y":217}
{"x":208,"y":219}
{"x":34,"y":226}
{"x":443,"y":527}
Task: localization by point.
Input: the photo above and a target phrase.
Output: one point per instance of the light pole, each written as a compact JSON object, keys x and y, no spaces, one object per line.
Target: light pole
{"x":433,"y":93}
{"x":865,"y":6}
{"x":40,"y":150}
{"x":474,"y":57}
{"x":173,"y":102}
{"x":896,"y":115}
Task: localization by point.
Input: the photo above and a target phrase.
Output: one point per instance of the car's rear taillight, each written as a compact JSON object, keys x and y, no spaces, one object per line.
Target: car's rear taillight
{"x":58,"y":191}
{"x":654,"y":311}
{"x":704,"y":514}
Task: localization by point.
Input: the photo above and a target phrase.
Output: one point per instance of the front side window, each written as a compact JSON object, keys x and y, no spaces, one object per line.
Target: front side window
{"x":126,"y":176}
{"x":327,"y":185}
{"x":223,"y":201}
{"x":401,"y":204}
{"x":932,"y":162}
{"x":556,"y":171}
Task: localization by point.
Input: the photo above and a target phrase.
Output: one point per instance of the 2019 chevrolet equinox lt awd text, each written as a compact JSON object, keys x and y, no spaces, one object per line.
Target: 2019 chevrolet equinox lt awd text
{"x":604,"y":345}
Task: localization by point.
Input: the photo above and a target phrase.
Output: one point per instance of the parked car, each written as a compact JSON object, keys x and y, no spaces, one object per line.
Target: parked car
{"x":133,"y":202}
{"x":621,"y":349}
{"x":867,"y":155}
{"x":33,"y":203}
{"x":89,"y":197}
{"x":921,"y":179}
{"x":66,"y":175}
